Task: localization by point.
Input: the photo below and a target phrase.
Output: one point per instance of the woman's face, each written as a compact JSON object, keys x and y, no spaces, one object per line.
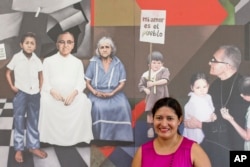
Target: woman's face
{"x":166,"y":122}
{"x":105,"y":49}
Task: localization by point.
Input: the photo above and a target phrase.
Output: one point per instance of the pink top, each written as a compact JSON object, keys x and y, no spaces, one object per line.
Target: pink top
{"x":181,"y":158}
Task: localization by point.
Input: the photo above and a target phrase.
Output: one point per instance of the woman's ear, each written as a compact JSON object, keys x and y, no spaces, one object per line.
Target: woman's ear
{"x":181,"y":120}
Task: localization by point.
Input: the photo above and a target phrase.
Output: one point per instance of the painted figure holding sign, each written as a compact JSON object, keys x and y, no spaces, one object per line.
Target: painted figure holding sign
{"x":154,"y":84}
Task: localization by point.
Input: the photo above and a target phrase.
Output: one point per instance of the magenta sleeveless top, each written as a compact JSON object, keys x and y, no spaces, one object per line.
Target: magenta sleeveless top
{"x":181,"y":158}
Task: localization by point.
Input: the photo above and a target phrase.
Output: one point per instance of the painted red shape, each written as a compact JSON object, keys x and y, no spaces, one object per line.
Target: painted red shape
{"x":107,"y":150}
{"x":190,"y":12}
{"x":138,"y":110}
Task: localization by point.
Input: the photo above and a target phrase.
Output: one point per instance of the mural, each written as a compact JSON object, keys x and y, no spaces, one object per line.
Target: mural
{"x":193,"y":33}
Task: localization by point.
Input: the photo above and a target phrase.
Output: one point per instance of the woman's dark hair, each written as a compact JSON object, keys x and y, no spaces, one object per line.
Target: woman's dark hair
{"x":244,"y":85}
{"x":168,"y":102}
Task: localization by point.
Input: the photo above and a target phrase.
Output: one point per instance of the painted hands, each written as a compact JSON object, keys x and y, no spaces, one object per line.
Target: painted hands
{"x":150,"y":84}
{"x":192,"y":123}
{"x":213,"y":117}
{"x":56,"y":95}
{"x":225,"y":114}
{"x":68,"y":100}
{"x":147,"y":91}
{"x":104,"y":94}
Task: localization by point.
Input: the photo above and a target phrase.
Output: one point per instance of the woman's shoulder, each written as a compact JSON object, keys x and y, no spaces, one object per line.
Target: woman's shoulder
{"x":187,"y":142}
{"x":116,"y":59}
{"x":148,"y":144}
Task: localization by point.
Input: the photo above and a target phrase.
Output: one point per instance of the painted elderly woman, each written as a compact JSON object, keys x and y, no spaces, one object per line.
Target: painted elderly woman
{"x":105,"y":79}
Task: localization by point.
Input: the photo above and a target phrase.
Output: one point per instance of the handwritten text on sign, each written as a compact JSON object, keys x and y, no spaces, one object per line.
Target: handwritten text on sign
{"x":2,"y":52}
{"x":153,"y":23}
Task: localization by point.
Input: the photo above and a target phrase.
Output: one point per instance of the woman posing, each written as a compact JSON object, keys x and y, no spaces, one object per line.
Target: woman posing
{"x":169,"y":148}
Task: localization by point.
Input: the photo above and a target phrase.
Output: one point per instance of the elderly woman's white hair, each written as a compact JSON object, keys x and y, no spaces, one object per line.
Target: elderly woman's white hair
{"x":106,"y":40}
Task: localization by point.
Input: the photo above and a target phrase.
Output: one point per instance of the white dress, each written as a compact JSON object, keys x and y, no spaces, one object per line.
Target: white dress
{"x":60,"y":124}
{"x":201,"y":107}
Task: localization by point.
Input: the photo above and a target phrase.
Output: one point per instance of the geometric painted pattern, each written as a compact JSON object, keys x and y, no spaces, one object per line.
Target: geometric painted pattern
{"x":95,"y":154}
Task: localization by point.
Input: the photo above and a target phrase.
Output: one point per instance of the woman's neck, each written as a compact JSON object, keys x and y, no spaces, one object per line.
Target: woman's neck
{"x":168,"y":145}
{"x":106,"y":59}
{"x":106,"y":63}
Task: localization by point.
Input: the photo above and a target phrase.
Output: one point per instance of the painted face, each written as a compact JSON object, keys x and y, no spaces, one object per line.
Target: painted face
{"x":217,"y":66}
{"x":105,"y":49}
{"x":65,"y":44}
{"x":156,"y":65}
{"x":166,"y":122}
{"x":28,"y":45}
{"x":200,"y":87}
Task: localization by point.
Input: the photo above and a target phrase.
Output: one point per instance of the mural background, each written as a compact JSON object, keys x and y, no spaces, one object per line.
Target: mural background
{"x":193,"y":33}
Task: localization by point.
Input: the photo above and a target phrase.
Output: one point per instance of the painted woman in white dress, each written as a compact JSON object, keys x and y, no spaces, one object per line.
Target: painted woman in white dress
{"x":65,"y":114}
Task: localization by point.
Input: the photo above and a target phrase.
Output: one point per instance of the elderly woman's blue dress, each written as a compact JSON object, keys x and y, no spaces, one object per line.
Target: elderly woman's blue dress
{"x":111,"y":116}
